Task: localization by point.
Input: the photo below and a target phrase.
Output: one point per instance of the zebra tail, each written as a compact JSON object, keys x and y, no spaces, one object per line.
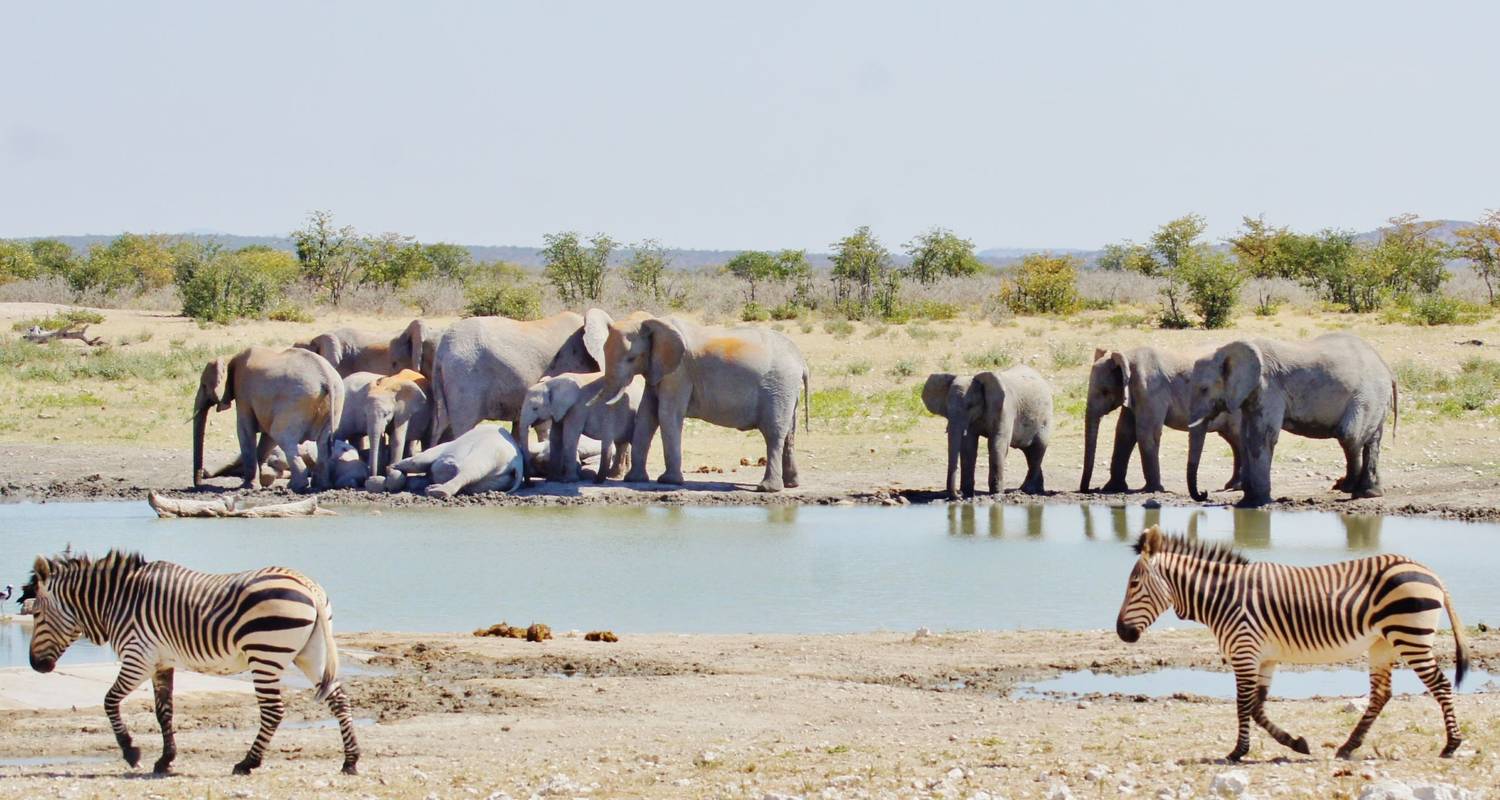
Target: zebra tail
{"x":1460,"y":645}
{"x":324,"y":628}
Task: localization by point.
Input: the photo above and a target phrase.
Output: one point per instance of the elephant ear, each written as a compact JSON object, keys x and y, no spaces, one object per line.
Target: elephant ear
{"x":408,"y":352}
{"x":1241,"y":364}
{"x":215,"y":383}
{"x":561,"y":397}
{"x":667,"y":348}
{"x":330,"y":347}
{"x":935,"y":392}
{"x":994,"y":394}
{"x":1125,"y":376}
{"x":595,"y":331}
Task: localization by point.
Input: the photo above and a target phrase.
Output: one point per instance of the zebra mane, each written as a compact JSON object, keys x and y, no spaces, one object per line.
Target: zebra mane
{"x":68,"y":560}
{"x":1203,"y":551}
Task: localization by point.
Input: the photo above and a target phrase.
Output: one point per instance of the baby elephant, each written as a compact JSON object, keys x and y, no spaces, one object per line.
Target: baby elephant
{"x":1010,"y":409}
{"x":485,"y":459}
{"x":571,"y":402}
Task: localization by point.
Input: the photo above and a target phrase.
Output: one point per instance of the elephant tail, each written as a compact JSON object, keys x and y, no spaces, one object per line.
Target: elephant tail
{"x":439,"y":405}
{"x":806,"y":401}
{"x":1395,"y":409}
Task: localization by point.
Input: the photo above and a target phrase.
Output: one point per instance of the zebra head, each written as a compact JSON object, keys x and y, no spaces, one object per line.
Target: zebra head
{"x":1147,"y":594}
{"x":54,"y":625}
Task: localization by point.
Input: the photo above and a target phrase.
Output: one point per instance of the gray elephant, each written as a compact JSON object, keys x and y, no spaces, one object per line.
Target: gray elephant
{"x":1152,"y":388}
{"x":484,"y":365}
{"x":350,"y":350}
{"x":1009,"y":409}
{"x":385,"y":414}
{"x":286,"y":397}
{"x":1334,"y":387}
{"x":349,"y":472}
{"x":354,"y":425}
{"x":741,"y":378}
{"x":570,"y":402}
{"x":484,"y":459}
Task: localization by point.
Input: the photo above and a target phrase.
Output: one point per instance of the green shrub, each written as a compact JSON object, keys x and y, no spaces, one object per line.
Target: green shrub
{"x":1211,"y":281}
{"x":904,"y":368}
{"x":857,"y":367}
{"x":513,"y":300}
{"x":754,"y":312}
{"x":1436,"y":309}
{"x":219,"y":287}
{"x":787,"y":310}
{"x":993,"y":358}
{"x":840,"y":328}
{"x":1067,"y":356}
{"x":1043,"y":284}
{"x":289,"y":313}
{"x":922,"y":333}
{"x":934,"y":310}
{"x":59,"y":320}
{"x":1415,"y":376}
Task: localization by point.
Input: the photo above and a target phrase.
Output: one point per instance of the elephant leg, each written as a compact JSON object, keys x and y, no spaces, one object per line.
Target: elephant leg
{"x":1261,"y":428}
{"x":567,"y":451}
{"x":1234,"y":483}
{"x":250,"y":461}
{"x":301,"y":480}
{"x":1035,"y":482}
{"x":998,"y":449}
{"x":447,"y":480}
{"x":968,"y":456}
{"x":671,"y":413}
{"x":1369,"y":479}
{"x":1119,"y":458}
{"x":789,"y":459}
{"x":771,"y":481}
{"x":1150,"y":446}
{"x":1354,"y":459}
{"x":263,"y":450}
{"x":640,"y":440}
{"x":607,"y":451}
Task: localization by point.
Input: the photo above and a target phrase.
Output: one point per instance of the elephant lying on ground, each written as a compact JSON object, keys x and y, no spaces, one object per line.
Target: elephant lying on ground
{"x":286,"y":397}
{"x":571,"y":402}
{"x":1333,"y":387}
{"x":1152,"y":388}
{"x":347,"y":472}
{"x":539,"y":456}
{"x":1009,"y":409}
{"x":350,"y":350}
{"x":485,"y":459}
{"x":742,"y":378}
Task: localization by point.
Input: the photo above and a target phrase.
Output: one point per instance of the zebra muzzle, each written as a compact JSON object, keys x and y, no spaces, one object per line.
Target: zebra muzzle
{"x":43,"y":664}
{"x":1127,"y":633}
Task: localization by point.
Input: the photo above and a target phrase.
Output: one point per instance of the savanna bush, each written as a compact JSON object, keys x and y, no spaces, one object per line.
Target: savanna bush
{"x":754,"y":312}
{"x":515,"y":300}
{"x":219,"y":287}
{"x":1212,"y":281}
{"x":1043,"y":284}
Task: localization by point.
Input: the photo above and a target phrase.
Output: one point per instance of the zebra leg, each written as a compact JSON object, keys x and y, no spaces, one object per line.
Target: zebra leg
{"x":132,"y":674}
{"x":1437,"y":684}
{"x":268,"y":695}
{"x":1382,"y":657}
{"x":1246,"y":687}
{"x":161,"y":682}
{"x":338,"y":703}
{"x":1299,"y":744}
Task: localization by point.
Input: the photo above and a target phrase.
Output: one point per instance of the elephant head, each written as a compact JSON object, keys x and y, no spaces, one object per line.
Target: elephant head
{"x":1109,"y":389}
{"x":639,"y":345}
{"x":415,"y":348}
{"x":1222,"y":383}
{"x":953,"y":398}
{"x":215,"y":389}
{"x":547,"y":401}
{"x":327,"y":345}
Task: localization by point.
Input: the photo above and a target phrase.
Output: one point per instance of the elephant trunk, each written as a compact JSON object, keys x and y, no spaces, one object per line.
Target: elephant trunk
{"x":201,"y":404}
{"x":1196,"y":436}
{"x":1090,"y":445}
{"x":522,"y":435}
{"x":955,"y":450}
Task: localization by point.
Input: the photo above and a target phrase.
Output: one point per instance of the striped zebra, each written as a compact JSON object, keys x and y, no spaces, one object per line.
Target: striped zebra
{"x":159,"y":616}
{"x":1263,"y":614}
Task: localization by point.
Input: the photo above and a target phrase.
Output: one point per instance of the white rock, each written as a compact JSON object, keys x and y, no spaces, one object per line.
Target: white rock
{"x":706,"y":757}
{"x":1233,"y":783}
{"x":1059,"y":791}
{"x":955,"y":774}
{"x":1096,"y":773}
{"x":1386,"y":790}
{"x":1353,"y":707}
{"x":779,"y":796}
{"x":922,"y":633}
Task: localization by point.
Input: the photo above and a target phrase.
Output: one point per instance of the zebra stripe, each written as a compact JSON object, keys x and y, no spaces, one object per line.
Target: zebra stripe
{"x":1263,"y":614}
{"x":159,"y":616}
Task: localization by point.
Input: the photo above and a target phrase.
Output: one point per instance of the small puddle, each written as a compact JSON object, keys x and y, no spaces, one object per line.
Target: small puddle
{"x":315,"y":724}
{"x":1287,"y":684}
{"x":49,"y":761}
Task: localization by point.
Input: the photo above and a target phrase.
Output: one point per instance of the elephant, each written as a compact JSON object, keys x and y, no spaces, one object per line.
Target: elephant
{"x":1151,"y":387}
{"x":354,"y":425}
{"x":1010,"y":409}
{"x":349,"y":472}
{"x":567,"y":401}
{"x":539,"y":456}
{"x":742,"y":378}
{"x":484,"y":365}
{"x":1334,"y":387}
{"x":484,"y":459}
{"x":350,"y":350}
{"x":387,"y":413}
{"x":287,"y":397}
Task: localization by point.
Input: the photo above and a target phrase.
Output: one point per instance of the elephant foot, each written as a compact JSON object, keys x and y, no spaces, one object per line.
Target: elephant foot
{"x":1114,"y":487}
{"x":637,"y":476}
{"x":1249,"y":502}
{"x":375,"y":484}
{"x":1369,"y":491}
{"x":1338,"y":485}
{"x":439,"y":492}
{"x":1033,"y":489}
{"x":790,"y":483}
{"x":1152,"y":488}
{"x":768,"y":486}
{"x":674,"y":478}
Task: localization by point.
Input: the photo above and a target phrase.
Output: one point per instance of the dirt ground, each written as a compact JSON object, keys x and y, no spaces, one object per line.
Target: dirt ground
{"x":872,"y":715}
{"x":870,"y":441}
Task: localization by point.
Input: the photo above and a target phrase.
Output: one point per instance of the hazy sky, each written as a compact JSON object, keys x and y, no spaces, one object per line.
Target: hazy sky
{"x":709,"y":124}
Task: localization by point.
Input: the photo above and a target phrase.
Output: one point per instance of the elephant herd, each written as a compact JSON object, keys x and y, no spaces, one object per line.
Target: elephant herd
{"x":1248,"y":391}
{"x":353,"y":409}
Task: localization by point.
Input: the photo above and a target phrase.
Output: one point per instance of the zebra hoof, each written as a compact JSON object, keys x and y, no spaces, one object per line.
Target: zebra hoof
{"x":1300,"y":746}
{"x":1450,"y":748}
{"x":244,"y":767}
{"x":132,"y":755}
{"x":1344,"y":753}
{"x":162,"y":768}
{"x":349,"y":768}
{"x":1235,"y":756}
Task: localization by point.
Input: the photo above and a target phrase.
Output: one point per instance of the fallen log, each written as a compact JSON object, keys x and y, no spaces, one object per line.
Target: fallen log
{"x":228,"y":506}
{"x":36,"y":334}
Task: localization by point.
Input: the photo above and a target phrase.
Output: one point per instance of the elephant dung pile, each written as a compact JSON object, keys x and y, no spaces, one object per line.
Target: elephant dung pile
{"x":538,"y":632}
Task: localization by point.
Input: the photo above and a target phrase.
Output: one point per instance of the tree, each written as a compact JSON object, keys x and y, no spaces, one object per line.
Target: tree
{"x":17,"y":263}
{"x":1172,"y":244}
{"x":861,"y":262}
{"x":219,"y":287}
{"x":1479,"y":244}
{"x":648,"y":263}
{"x":1410,"y":257}
{"x":1263,"y":253}
{"x":941,"y":253}
{"x":1212,"y":280}
{"x":449,"y":260}
{"x":754,"y":267}
{"x":330,"y":256}
{"x":393,"y":260}
{"x":132,"y":260}
{"x":1043,"y":283}
{"x":1322,"y":262}
{"x":575,"y":271}
{"x":53,"y":257}
{"x":792,"y":265}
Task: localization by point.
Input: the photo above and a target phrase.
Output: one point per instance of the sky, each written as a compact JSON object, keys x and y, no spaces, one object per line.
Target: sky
{"x":744,"y":125}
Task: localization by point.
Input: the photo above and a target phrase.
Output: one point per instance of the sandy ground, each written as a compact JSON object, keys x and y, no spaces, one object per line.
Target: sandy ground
{"x":874,"y":715}
{"x":118,"y":439}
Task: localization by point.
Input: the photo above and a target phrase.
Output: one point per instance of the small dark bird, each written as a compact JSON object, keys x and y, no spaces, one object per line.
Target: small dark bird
{"x":5,"y":595}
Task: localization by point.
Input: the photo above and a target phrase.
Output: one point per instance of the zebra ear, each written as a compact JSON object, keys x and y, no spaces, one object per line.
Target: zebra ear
{"x":1151,"y":540}
{"x":42,"y":567}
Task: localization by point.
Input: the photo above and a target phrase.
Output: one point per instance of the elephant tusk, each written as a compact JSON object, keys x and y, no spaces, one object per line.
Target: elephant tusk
{"x":1197,"y":422}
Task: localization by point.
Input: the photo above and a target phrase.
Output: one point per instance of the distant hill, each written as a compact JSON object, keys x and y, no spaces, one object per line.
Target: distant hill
{"x":686,"y":260}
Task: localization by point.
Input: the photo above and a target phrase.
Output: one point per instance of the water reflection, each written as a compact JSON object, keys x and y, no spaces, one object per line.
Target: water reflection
{"x":960,"y":519}
{"x":782,"y":515}
{"x":1252,"y":528}
{"x":1361,"y":532}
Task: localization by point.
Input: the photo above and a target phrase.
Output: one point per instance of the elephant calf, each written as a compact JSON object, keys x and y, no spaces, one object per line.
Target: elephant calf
{"x":1009,"y":409}
{"x":485,"y":459}
{"x":573,"y":405}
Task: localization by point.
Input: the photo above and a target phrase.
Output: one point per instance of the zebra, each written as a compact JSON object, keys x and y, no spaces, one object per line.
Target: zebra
{"x":1263,"y":614}
{"x":158,"y":616}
